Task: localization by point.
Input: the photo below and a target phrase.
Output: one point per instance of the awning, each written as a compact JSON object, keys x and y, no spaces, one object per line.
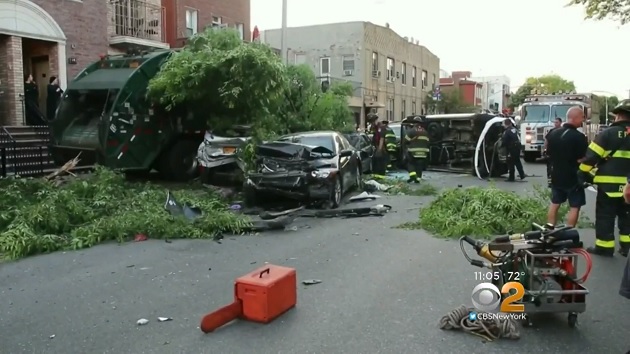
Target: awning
{"x":374,"y":104}
{"x":103,"y":79}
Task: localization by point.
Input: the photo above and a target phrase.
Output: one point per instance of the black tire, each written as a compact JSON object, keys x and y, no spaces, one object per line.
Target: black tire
{"x":336,"y":193}
{"x":530,"y":156}
{"x":179,"y":163}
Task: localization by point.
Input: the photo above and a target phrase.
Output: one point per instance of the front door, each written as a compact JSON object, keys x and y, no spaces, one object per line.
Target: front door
{"x":41,"y":74}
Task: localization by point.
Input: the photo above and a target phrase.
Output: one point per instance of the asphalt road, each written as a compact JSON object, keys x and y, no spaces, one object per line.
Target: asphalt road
{"x":383,"y":290}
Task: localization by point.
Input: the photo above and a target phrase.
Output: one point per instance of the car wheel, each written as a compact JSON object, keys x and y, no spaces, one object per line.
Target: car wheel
{"x":336,"y":193}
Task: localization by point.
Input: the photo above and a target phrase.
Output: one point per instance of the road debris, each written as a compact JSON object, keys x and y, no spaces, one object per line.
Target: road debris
{"x":364,"y":196}
{"x":373,"y":186}
{"x":52,"y":336}
{"x":142,"y":322}
{"x":140,"y":238}
{"x":164,"y":319}
{"x":311,"y":282}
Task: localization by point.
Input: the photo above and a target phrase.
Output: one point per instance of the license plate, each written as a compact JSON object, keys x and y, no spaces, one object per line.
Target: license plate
{"x":229,"y":150}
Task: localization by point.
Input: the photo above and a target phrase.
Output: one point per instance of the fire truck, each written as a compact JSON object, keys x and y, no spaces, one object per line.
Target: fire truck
{"x":539,"y":111}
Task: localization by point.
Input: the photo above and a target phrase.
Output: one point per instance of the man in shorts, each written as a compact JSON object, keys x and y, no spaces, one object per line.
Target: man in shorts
{"x":566,"y":147}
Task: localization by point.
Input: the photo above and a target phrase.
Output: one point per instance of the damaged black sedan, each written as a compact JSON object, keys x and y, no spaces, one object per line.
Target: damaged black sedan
{"x":309,"y":167}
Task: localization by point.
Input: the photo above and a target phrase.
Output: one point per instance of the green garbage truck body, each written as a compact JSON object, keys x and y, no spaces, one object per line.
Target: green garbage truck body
{"x":105,"y":116}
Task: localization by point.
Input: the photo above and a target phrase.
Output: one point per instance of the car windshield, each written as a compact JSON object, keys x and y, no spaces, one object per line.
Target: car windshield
{"x":396,"y":129}
{"x":560,"y":111}
{"x":314,"y":140}
{"x":535,"y":114}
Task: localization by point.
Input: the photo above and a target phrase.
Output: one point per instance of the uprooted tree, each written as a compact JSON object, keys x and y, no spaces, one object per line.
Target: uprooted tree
{"x":233,"y":82}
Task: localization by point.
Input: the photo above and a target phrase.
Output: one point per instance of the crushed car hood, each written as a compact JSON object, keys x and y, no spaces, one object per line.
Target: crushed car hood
{"x":292,"y":150}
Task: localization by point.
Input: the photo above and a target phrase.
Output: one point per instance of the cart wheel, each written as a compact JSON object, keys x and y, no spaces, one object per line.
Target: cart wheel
{"x":572,"y":320}
{"x":527,"y":321}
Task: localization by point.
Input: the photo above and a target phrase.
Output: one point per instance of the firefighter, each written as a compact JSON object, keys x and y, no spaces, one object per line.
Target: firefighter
{"x":390,"y":144}
{"x":417,"y":141}
{"x":512,"y":144}
{"x":608,"y":162}
{"x":379,"y":161}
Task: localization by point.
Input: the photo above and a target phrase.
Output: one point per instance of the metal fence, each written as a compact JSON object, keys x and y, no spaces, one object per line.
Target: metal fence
{"x":24,"y":158}
{"x":139,"y":19}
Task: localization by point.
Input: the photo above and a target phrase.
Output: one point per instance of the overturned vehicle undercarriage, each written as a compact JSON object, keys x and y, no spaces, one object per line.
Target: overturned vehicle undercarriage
{"x":463,"y":143}
{"x":299,"y":172}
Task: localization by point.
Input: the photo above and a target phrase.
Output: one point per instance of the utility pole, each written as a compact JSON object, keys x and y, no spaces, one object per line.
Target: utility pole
{"x":283,"y":40}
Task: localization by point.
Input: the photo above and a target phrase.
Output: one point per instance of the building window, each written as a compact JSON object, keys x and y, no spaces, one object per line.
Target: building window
{"x":324,"y":66}
{"x":348,"y":65}
{"x":403,"y":73}
{"x":241,"y":30}
{"x":424,"y":79}
{"x":191,"y":22}
{"x":374,"y":62}
{"x":403,"y":107}
{"x":391,"y":68}
{"x":217,"y":21}
{"x":390,"y":109}
{"x":414,"y":78}
{"x":413,"y":108}
{"x":433,"y":83}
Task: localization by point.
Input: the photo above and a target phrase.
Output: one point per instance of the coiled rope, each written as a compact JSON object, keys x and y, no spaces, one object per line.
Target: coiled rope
{"x":489,"y":329}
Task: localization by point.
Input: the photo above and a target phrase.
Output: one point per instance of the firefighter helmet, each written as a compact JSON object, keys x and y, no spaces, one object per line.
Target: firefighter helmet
{"x":623,"y":106}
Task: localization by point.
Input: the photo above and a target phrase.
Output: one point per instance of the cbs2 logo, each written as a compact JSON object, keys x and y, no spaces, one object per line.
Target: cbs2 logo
{"x":489,"y":297}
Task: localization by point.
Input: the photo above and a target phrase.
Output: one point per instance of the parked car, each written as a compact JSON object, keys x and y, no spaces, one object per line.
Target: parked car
{"x":363,"y":144}
{"x":309,"y":167}
{"x":219,"y":151}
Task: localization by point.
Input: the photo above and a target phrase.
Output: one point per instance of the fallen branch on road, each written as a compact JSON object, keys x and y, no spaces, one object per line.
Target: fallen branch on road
{"x":482,"y":212}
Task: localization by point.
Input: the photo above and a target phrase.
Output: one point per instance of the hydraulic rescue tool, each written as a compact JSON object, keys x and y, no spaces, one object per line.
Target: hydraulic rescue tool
{"x":546,"y":261}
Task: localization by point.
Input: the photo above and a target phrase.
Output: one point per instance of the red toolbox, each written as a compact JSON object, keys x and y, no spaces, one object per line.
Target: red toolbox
{"x":259,"y":296}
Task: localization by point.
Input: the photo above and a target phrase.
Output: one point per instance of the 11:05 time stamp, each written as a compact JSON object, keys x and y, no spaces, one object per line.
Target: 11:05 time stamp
{"x":495,"y":276}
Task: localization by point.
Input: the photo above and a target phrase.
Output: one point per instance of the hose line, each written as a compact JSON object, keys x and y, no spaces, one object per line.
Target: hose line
{"x":488,"y":329}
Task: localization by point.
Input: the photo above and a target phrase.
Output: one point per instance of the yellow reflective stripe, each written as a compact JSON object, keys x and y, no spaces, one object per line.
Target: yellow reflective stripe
{"x":412,"y":174}
{"x":390,"y":135}
{"x":610,"y":179}
{"x":605,"y":244}
{"x":622,"y":154}
{"x":423,"y":138}
{"x":615,"y":194}
{"x":585,"y":168}
{"x":407,"y":138}
{"x":414,"y":149}
{"x":598,"y":149}
{"x":624,"y":238}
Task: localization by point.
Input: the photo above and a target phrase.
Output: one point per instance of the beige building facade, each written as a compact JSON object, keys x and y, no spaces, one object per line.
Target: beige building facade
{"x":390,"y":73}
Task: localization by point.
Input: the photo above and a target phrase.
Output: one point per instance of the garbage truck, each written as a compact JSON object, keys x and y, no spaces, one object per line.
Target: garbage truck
{"x":106,"y":117}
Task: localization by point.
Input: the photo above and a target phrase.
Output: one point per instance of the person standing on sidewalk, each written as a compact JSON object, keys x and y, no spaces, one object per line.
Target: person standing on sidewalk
{"x":566,"y":147}
{"x":557,"y":123}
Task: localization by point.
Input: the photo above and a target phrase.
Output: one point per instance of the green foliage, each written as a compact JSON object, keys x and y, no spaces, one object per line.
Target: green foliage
{"x":617,"y":10}
{"x":483,"y":212}
{"x":550,"y":83}
{"x":545,"y":83}
{"x":451,"y":102}
{"x":518,"y":97}
{"x":400,"y":187}
{"x":230,"y":81}
{"x":39,"y":217}
{"x":612,"y":102}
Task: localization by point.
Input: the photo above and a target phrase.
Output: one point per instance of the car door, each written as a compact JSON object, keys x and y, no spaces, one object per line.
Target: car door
{"x":344,"y":163}
{"x":367,"y":151}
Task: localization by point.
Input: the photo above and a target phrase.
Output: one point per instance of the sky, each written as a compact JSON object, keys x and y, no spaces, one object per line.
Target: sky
{"x":516,"y":38}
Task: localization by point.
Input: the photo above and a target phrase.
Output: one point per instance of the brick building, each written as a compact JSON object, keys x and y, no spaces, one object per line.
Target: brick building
{"x":186,"y":17}
{"x":389,"y":73}
{"x":470,"y":91}
{"x":60,"y":37}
